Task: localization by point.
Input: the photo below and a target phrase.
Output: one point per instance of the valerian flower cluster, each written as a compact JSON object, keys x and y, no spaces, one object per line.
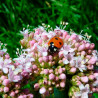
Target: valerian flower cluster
{"x":74,"y":63}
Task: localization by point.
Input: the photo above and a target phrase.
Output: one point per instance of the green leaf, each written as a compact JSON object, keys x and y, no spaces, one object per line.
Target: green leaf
{"x":95,"y":95}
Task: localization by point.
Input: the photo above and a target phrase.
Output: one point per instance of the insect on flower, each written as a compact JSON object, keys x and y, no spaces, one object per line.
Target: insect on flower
{"x":54,"y":44}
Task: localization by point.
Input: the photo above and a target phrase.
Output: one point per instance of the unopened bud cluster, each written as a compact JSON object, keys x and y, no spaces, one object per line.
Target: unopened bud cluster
{"x":44,"y":72}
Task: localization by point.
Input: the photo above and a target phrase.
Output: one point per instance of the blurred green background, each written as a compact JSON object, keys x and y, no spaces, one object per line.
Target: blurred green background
{"x":16,"y":14}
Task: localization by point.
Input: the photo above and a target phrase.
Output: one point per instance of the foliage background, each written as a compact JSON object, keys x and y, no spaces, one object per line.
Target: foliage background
{"x":17,"y":14}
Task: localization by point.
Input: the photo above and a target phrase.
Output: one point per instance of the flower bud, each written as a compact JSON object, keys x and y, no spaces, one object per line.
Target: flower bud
{"x":65,"y":34}
{"x":73,"y":70}
{"x":92,"y":61}
{"x":91,"y":77}
{"x":81,"y":47}
{"x":5,"y":82}
{"x":42,"y":90}
{"x":62,"y":84}
{"x":46,"y":71}
{"x":12,"y":94}
{"x":92,"y":46}
{"x":62,"y":76}
{"x":6,"y":89}
{"x":51,"y":76}
{"x":40,"y":59}
{"x":36,"y":86}
{"x":87,"y":46}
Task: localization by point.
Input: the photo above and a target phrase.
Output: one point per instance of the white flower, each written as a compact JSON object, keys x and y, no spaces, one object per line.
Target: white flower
{"x":45,"y":53}
{"x":65,"y":61}
{"x":80,"y":63}
{"x":84,"y":90}
{"x":42,"y":90}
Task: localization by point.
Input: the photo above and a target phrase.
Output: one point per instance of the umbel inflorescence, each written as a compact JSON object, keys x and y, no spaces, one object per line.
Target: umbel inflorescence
{"x":72,"y":66}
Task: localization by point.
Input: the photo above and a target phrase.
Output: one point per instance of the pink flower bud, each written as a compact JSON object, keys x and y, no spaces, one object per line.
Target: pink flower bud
{"x":91,"y":77}
{"x":3,"y":77}
{"x":42,"y":90}
{"x":90,"y":67}
{"x":60,"y":61}
{"x":21,"y":96}
{"x":45,"y":59}
{"x":65,"y":34}
{"x":93,"y":89}
{"x":40,"y":59}
{"x":63,"y":69}
{"x":95,"y":75}
{"x":40,"y":42}
{"x":88,"y":56}
{"x":7,"y":56}
{"x":73,"y":36}
{"x":5,"y":82}
{"x":34,"y":67}
{"x":92,"y":46}
{"x":50,"y":58}
{"x":12,"y":94}
{"x":31,"y":35}
{"x":44,"y":37}
{"x":50,"y":63}
{"x":61,"y":54}
{"x":78,"y":83}
{"x":51,"y":71}
{"x":84,"y":79}
{"x":51,"y":76}
{"x":36,"y":86}
{"x":6,"y":89}
{"x":62,"y":84}
{"x":73,"y":70}
{"x":62,"y":76}
{"x":73,"y":41}
{"x":81,"y":47}
{"x":92,"y":61}
{"x":87,"y":46}
{"x":1,"y":89}
{"x":16,"y":91}
{"x":22,"y":41}
{"x":83,"y":53}
{"x":32,"y":43}
{"x":56,"y":78}
{"x":31,"y":95}
{"x":57,"y":85}
{"x":89,"y":51}
{"x":77,"y":45}
{"x":60,"y":70}
{"x":67,"y":37}
{"x":46,"y":71}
